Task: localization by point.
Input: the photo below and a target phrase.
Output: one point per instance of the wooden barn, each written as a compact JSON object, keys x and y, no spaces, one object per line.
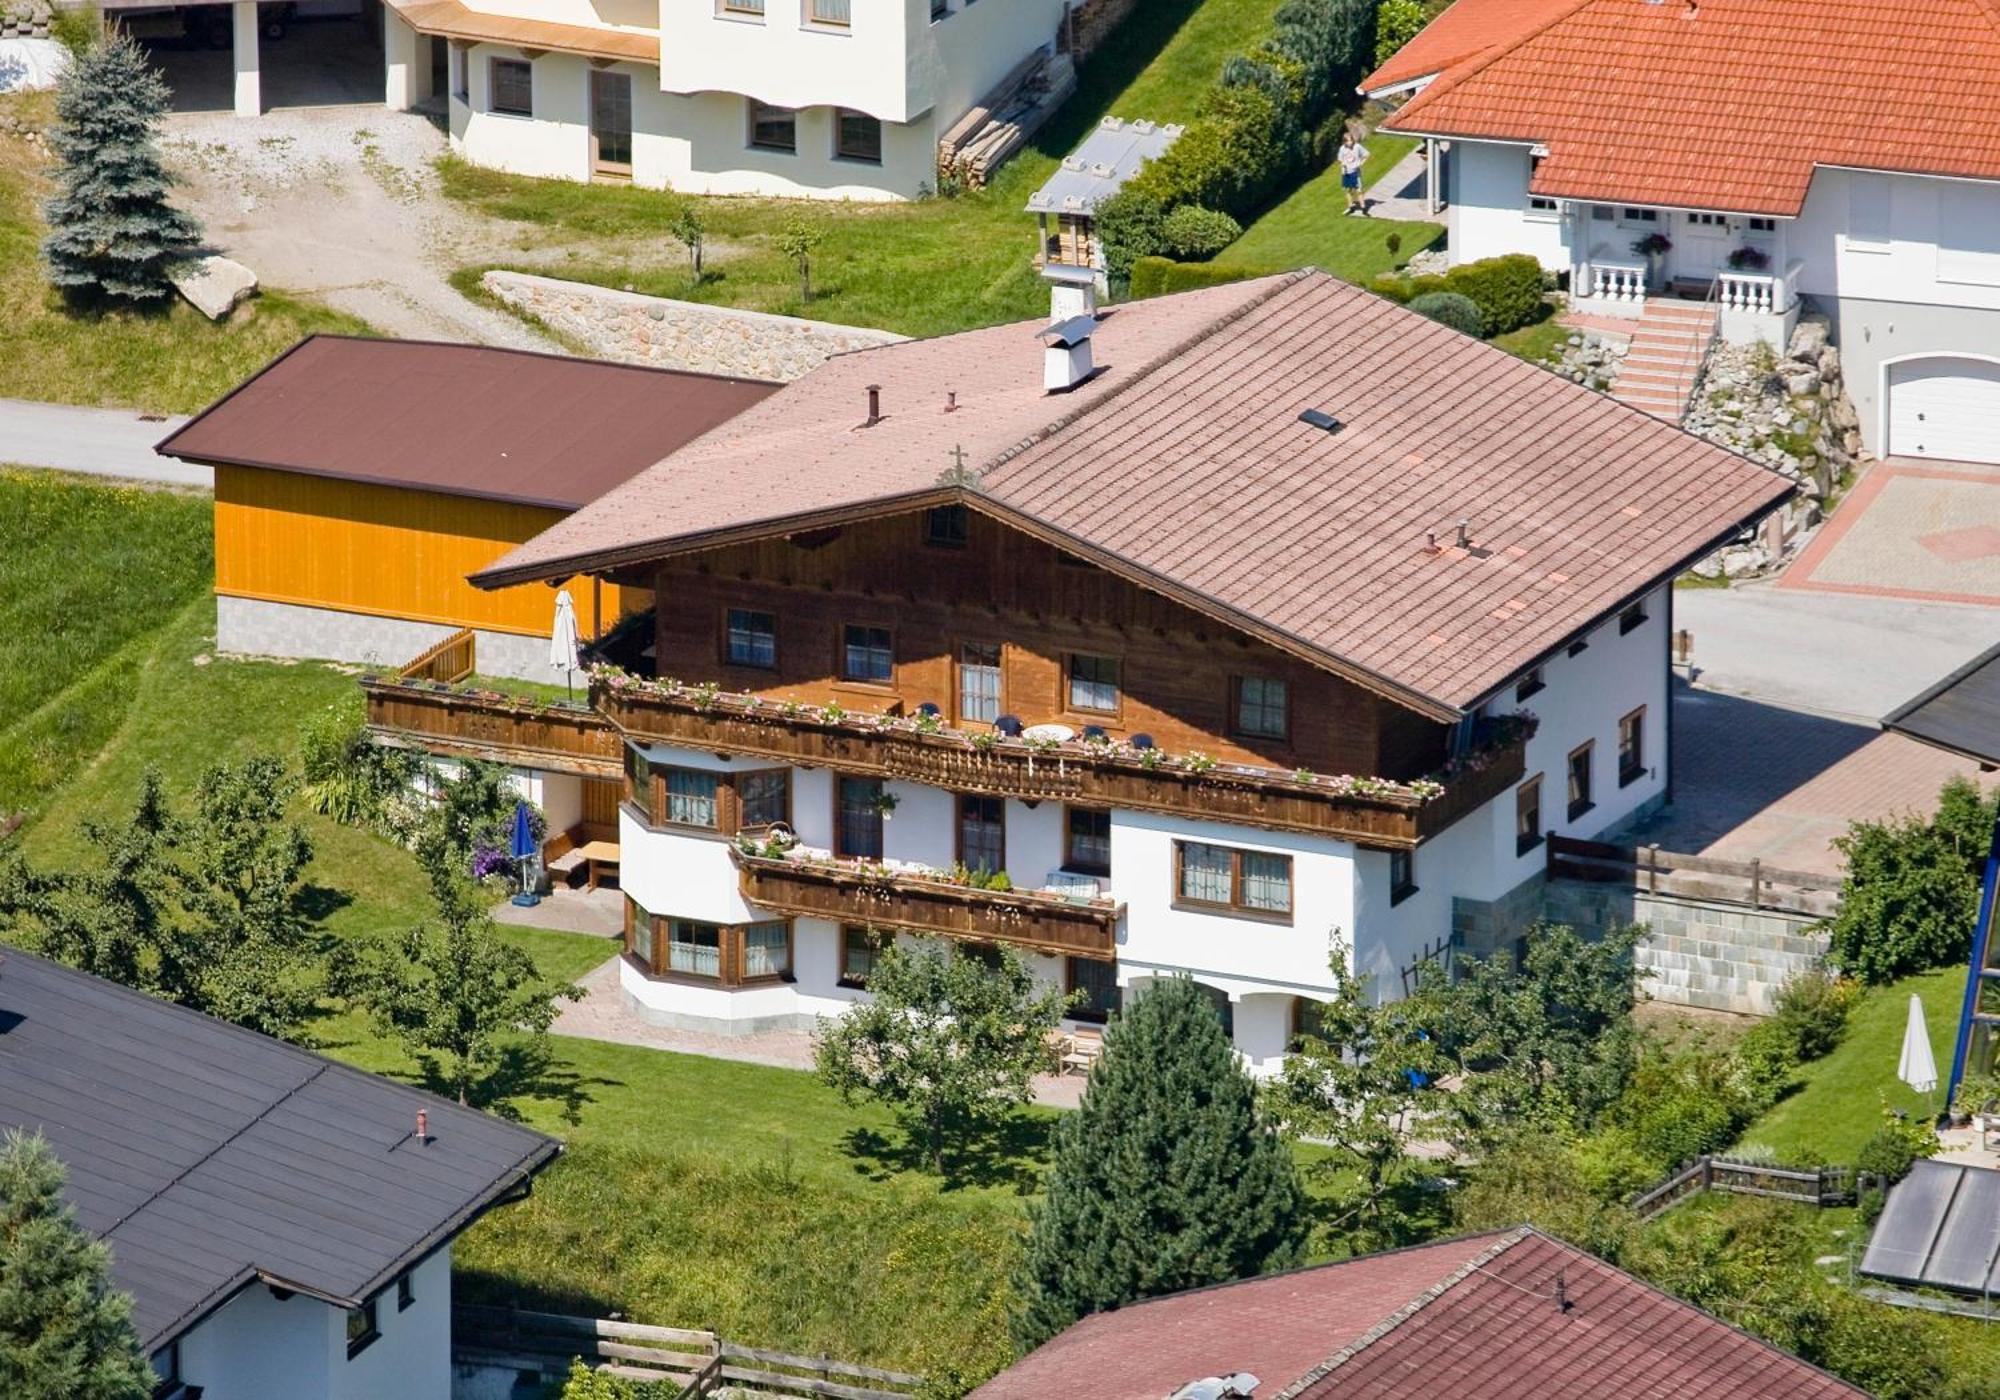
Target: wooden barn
{"x":359,"y":481}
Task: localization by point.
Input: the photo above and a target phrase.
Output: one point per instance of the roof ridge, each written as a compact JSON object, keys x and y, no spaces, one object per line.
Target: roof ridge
{"x":1406,"y":1312}
{"x":1147,"y":368}
{"x":1479,"y":62}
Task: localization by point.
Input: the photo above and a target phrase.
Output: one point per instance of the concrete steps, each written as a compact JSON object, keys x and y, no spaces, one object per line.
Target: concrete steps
{"x":1659,"y":367}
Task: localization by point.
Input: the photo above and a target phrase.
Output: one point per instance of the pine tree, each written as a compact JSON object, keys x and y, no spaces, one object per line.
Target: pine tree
{"x":1167,"y":1176}
{"x":64,"y":1334}
{"x":112,"y":234}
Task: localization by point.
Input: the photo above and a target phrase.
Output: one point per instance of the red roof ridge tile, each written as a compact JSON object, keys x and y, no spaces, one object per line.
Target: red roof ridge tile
{"x":1471,"y":59}
{"x":1479,"y":62}
{"x":1405,"y":1313}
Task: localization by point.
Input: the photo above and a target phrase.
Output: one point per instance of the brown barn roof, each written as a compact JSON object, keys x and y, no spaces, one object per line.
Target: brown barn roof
{"x":1184,"y":466}
{"x":466,"y":420}
{"x":1484,"y":1317}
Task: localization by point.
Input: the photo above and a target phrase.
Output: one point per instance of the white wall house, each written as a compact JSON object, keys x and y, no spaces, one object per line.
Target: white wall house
{"x":1598,"y":759}
{"x":839,"y":99}
{"x":1574,"y":149}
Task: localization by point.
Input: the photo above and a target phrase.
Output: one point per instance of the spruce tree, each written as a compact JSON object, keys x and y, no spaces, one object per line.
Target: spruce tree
{"x":1167,"y":1177}
{"x":112,"y":234}
{"x":64,"y":1334}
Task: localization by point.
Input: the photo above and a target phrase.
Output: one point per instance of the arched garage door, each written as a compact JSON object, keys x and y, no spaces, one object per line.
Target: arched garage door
{"x":1945,"y":406}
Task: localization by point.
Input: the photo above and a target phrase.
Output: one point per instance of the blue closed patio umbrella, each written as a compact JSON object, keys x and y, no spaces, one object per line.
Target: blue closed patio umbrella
{"x":521,"y":846}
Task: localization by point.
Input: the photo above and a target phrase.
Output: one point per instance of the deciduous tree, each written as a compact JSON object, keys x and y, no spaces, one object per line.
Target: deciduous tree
{"x":1168,"y":1175}
{"x":65,"y":1334}
{"x":455,"y":993}
{"x":949,"y":1041}
{"x":113,"y":235}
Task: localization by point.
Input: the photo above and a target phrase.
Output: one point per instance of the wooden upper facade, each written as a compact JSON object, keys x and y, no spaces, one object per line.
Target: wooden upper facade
{"x":386,"y":551}
{"x":954,"y":609}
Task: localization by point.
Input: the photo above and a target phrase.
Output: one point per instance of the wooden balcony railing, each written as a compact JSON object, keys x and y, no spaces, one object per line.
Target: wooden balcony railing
{"x":855,"y":892}
{"x":486,"y":724}
{"x":1370,"y":811}
{"x":449,"y":661}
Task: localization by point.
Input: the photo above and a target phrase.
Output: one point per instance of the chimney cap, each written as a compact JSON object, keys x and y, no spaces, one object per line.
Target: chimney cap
{"x":1073,"y":331}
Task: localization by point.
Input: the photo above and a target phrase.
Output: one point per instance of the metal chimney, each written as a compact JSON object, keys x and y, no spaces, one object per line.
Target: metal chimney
{"x":1066,"y":361}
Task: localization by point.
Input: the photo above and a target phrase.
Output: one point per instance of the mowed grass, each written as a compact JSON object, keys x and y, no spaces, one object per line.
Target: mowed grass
{"x":173,"y":360}
{"x":926,"y":267}
{"x":78,"y":615}
{"x":1840,"y":1104}
{"x":1310,"y":226}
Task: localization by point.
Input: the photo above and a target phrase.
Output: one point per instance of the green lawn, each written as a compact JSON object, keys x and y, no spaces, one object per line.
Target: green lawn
{"x":1536,"y":341}
{"x":923,"y":268}
{"x":171,"y":361}
{"x":77,"y":619}
{"x":1840,"y":1105}
{"x":1310,"y":225}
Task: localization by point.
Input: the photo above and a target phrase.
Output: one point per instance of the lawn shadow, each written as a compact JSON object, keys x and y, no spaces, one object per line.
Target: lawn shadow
{"x":1136,"y":42}
{"x":1008,"y":1156}
{"x":485,"y":1287}
{"x":318,"y":903}
{"x":527,"y":1070}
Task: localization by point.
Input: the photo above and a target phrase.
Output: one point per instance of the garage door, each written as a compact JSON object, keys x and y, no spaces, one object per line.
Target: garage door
{"x":1945,"y":407}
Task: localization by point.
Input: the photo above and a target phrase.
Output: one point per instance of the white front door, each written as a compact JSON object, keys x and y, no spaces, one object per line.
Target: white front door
{"x":1945,"y":406}
{"x":1701,"y":246}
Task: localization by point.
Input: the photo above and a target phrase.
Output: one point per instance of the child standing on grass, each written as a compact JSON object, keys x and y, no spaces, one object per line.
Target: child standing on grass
{"x":1352,"y":156}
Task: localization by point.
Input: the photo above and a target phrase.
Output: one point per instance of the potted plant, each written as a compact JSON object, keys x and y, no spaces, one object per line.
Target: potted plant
{"x":1654,"y":248}
{"x":1978,"y":1101}
{"x":886,"y":802}
{"x":1749,"y":259}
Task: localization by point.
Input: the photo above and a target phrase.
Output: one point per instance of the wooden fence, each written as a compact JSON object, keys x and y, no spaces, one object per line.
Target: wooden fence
{"x":700,"y":1363}
{"x":450,"y":661}
{"x":1813,"y":1186}
{"x":1657,"y":871}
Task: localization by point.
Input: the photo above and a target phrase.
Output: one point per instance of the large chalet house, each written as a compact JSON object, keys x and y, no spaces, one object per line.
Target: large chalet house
{"x":1750,"y":153}
{"x":282,"y":1223}
{"x":844,"y":99}
{"x":1229,"y":627}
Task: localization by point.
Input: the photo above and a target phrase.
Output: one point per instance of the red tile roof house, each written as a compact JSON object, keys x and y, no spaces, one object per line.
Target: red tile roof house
{"x":1177,"y":643}
{"x":1496,"y":1316}
{"x":1772,"y":146}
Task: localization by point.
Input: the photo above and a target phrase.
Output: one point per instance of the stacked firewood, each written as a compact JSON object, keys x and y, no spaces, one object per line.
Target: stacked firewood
{"x":25,"y":19}
{"x":1004,"y":119}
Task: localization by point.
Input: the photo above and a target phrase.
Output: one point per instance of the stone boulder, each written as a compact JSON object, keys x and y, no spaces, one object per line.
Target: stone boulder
{"x":1808,"y":339}
{"x":215,"y":286}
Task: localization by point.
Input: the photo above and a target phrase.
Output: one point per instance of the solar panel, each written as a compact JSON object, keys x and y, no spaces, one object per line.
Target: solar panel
{"x":1940,"y":1228}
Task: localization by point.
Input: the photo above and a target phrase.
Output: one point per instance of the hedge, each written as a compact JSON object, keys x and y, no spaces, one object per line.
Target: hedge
{"x":1153,"y":276}
{"x":1252,"y":127}
{"x":1507,"y":290}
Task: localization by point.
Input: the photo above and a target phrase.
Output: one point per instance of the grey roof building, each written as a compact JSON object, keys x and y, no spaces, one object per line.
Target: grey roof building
{"x":211,"y":1158}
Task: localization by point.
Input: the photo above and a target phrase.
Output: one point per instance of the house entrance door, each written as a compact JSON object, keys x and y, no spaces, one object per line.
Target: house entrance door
{"x":1701,"y":249}
{"x":610,"y":123}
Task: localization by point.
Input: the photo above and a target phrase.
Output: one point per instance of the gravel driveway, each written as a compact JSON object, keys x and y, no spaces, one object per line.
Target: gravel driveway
{"x":342,"y":203}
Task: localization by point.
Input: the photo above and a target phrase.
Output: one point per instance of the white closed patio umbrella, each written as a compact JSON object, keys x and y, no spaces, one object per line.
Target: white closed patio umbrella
{"x":562,"y":638}
{"x":1918,"y":1067}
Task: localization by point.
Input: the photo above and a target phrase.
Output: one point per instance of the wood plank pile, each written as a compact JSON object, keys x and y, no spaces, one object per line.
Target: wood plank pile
{"x":1003,"y":121}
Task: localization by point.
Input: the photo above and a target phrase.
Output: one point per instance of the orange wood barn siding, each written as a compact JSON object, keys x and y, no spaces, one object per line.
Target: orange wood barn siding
{"x":382,"y":550}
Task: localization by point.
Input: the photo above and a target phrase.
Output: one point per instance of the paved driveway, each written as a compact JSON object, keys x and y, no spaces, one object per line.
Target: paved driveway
{"x":1914,"y":529}
{"x":100,"y":441}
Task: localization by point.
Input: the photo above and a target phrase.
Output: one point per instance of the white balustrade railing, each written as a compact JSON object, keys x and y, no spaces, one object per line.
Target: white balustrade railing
{"x":1615,"y":279}
{"x":1759,"y":293}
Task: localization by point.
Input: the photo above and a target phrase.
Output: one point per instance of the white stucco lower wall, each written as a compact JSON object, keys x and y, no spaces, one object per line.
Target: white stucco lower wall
{"x":256,"y":1347}
{"x":696,"y":143}
{"x":1488,"y":214}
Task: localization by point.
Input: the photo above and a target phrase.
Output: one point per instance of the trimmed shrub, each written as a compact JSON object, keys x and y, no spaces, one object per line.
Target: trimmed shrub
{"x":1461,"y":313}
{"x":1396,"y":23}
{"x":1911,"y":891}
{"x":1194,"y":232}
{"x":1130,"y":225}
{"x":1153,"y":277}
{"x":1507,"y":290}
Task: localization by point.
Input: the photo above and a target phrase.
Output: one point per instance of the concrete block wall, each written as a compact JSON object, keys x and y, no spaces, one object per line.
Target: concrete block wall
{"x":254,"y":627}
{"x":1700,"y":953}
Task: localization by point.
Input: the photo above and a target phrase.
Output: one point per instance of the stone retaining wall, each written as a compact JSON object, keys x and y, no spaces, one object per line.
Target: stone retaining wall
{"x":1703,"y":953}
{"x":680,"y":335}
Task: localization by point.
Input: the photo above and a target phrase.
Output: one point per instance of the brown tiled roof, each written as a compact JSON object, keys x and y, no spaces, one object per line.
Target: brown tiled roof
{"x":457,"y":21}
{"x":465,"y":420}
{"x":1731,"y":104}
{"x":1497,"y":1316}
{"x":1184,"y":466}
{"x":1466,"y":29}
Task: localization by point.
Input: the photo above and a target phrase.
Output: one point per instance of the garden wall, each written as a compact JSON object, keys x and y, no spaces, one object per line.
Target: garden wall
{"x":680,"y":335}
{"x":1705,"y":953}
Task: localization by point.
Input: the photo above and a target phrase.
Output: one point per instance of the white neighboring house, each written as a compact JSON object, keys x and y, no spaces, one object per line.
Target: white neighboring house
{"x":281,"y":1225}
{"x":1762,"y":144}
{"x":843,"y":99}
{"x":1171,"y":621}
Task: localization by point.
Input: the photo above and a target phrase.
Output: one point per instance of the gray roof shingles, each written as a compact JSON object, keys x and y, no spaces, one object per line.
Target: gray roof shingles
{"x":207,"y":1156}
